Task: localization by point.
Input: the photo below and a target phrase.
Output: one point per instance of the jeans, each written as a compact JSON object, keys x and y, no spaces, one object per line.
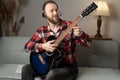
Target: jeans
{"x":63,"y":73}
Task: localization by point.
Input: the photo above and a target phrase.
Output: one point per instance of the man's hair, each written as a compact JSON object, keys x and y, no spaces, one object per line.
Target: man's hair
{"x":47,"y":2}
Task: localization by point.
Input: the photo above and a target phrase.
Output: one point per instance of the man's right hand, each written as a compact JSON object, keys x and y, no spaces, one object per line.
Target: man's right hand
{"x":49,"y":46}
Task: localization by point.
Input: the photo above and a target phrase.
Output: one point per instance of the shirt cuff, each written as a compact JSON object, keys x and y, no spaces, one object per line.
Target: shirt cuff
{"x":38,"y":47}
{"x":78,"y":37}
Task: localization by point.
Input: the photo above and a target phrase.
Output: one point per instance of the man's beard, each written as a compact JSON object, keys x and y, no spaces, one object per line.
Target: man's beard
{"x":52,"y":20}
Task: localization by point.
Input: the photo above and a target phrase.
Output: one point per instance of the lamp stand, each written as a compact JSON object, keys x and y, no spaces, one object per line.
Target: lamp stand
{"x":99,"y":22}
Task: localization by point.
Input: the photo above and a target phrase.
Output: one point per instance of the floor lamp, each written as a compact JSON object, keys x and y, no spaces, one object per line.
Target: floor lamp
{"x":102,"y":10}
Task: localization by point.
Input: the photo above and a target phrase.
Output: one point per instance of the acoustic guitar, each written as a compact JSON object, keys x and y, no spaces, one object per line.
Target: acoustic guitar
{"x":44,"y":61}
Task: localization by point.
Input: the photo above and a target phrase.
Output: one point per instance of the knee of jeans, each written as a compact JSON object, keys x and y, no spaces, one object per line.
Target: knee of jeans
{"x":37,"y":78}
{"x":50,"y":75}
{"x":26,"y":68}
{"x":50,"y":72}
{"x":23,"y":69}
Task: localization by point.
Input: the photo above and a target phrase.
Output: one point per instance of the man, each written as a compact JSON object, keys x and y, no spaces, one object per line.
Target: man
{"x":67,"y":69}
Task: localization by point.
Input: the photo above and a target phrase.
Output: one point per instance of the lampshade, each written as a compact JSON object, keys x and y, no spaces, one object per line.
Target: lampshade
{"x":103,"y":9}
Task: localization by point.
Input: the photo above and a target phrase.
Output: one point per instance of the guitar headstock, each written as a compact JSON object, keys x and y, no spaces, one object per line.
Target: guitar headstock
{"x":89,"y":9}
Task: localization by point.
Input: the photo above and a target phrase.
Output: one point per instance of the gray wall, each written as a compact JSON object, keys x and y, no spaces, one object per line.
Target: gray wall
{"x":70,"y":10}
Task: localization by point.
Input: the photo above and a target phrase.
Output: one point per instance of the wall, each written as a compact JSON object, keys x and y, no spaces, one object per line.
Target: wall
{"x":70,"y":10}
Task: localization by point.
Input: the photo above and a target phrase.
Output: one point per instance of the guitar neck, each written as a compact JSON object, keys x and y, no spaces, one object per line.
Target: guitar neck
{"x":84,"y":13}
{"x":65,"y":32}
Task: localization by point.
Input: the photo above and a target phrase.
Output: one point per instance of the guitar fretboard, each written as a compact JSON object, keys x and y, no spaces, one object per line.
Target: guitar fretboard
{"x":69,"y":28}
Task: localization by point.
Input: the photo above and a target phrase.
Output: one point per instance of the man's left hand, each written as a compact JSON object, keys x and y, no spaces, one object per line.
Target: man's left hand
{"x":77,"y":31}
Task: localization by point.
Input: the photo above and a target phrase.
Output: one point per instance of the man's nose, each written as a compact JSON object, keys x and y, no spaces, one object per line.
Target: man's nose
{"x":55,"y":12}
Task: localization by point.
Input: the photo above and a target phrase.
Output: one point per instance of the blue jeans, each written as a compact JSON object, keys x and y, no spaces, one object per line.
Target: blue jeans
{"x":63,"y":73}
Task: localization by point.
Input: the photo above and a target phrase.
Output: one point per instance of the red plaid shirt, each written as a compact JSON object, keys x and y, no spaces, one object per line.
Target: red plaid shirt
{"x":43,"y":32}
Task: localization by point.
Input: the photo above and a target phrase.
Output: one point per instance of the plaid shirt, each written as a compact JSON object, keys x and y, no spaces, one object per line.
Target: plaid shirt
{"x":43,"y":32}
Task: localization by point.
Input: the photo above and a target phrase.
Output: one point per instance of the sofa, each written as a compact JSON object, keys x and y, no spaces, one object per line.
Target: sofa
{"x":98,"y":62}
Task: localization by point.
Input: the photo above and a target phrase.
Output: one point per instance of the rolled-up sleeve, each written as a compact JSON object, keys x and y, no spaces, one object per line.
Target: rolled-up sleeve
{"x":83,"y":40}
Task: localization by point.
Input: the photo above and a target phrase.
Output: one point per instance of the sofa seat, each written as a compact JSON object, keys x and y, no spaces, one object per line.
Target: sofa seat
{"x":11,"y":72}
{"x":92,"y":73}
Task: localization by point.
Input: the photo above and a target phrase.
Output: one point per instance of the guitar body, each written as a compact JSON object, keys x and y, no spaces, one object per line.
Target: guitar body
{"x":51,"y":60}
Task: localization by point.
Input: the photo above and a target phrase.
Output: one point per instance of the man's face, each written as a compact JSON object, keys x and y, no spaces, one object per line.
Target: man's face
{"x":51,"y":13}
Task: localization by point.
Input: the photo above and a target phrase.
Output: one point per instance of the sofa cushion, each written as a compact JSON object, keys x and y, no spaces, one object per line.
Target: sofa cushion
{"x":92,"y":73}
{"x":12,"y":50}
{"x":10,"y":71}
{"x":102,"y":54}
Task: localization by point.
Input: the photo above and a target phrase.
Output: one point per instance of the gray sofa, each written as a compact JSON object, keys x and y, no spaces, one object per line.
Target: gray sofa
{"x":98,"y":62}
